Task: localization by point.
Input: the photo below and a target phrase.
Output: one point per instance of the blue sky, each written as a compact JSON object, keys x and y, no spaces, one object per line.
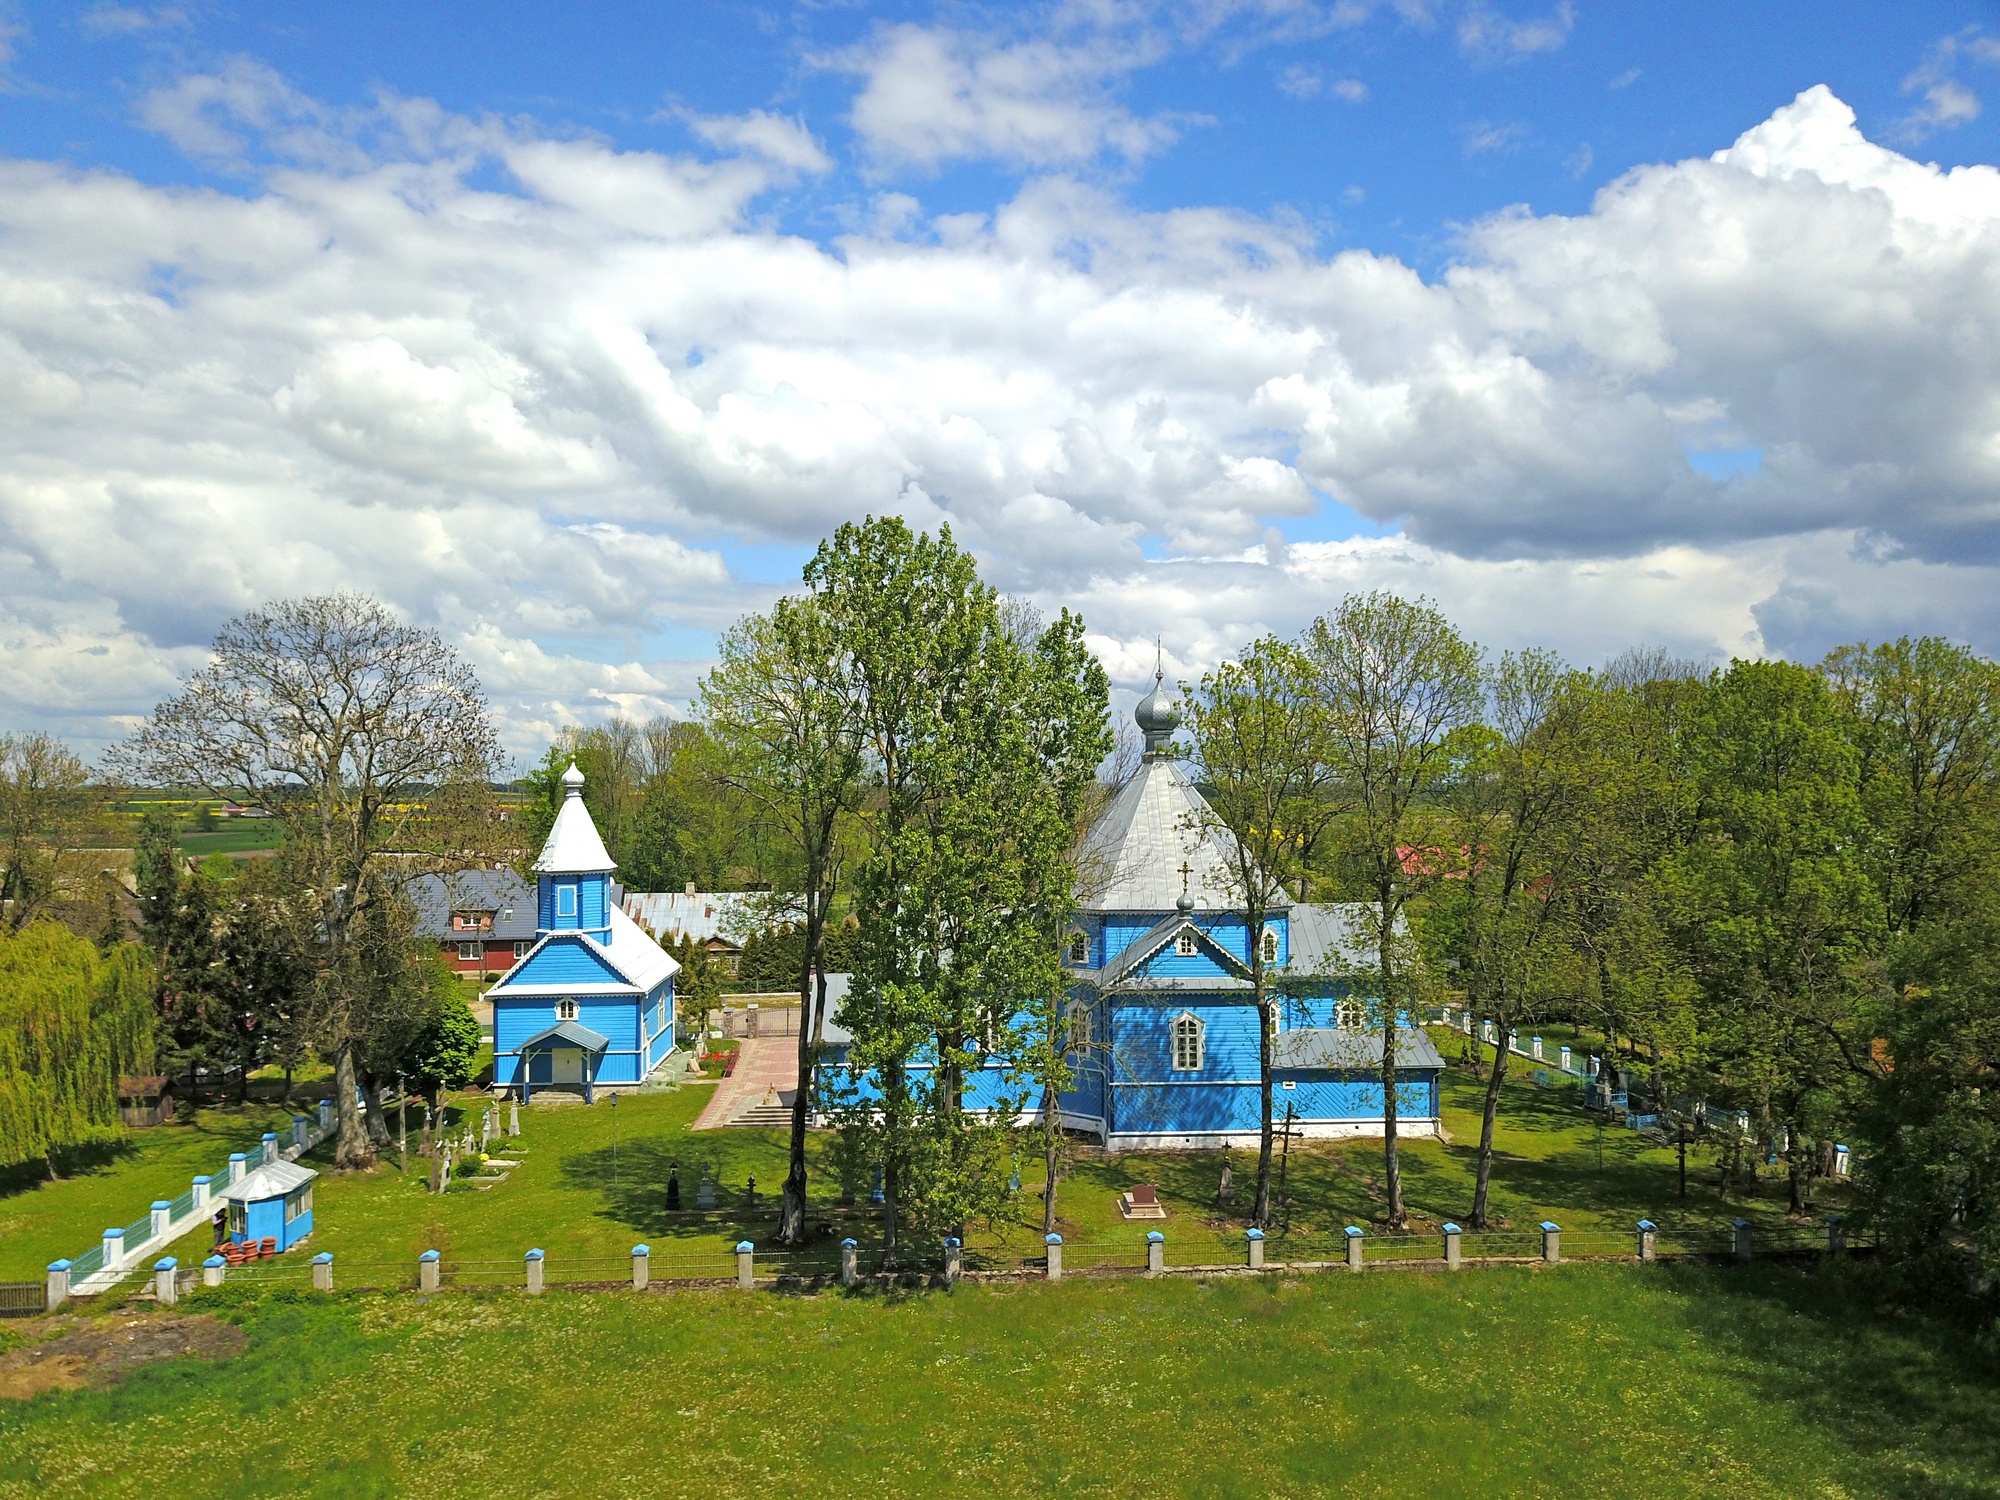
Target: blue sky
{"x":570,"y":328}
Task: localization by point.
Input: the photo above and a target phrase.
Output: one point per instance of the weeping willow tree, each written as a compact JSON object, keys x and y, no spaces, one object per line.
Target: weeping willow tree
{"x":72,"y":1022}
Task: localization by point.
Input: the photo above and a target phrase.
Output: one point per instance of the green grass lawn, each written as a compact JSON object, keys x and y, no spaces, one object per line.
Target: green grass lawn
{"x":593,"y":1181}
{"x":241,"y":836}
{"x":1615,"y":1380}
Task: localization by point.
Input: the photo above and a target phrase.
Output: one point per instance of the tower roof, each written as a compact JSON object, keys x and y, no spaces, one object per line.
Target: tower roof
{"x":1158,"y":842}
{"x":1155,"y":714}
{"x":574,"y":845}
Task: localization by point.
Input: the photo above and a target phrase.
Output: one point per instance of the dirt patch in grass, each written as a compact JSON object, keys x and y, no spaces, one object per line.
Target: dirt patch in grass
{"x":101,"y":1351}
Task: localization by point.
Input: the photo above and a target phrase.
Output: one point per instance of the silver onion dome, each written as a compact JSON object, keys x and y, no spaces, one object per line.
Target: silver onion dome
{"x":1155,"y":715}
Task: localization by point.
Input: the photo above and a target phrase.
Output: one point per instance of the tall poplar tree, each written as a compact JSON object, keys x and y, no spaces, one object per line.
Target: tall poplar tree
{"x":1396,"y":683}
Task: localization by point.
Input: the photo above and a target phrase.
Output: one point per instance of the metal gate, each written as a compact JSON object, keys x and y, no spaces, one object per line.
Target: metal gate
{"x":22,"y":1299}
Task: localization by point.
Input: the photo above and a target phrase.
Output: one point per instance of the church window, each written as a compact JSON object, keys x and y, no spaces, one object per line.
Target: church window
{"x":1348,"y":1014}
{"x":565,"y":1010}
{"x":1079,"y":949}
{"x":1270,"y":945}
{"x":1184,"y":945}
{"x":565,"y":900}
{"x":1187,"y":1043}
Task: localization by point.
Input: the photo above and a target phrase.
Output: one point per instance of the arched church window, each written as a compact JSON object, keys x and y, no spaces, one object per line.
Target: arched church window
{"x":565,"y":1010}
{"x":1270,"y":945}
{"x":1184,"y":945}
{"x":1187,"y":1043}
{"x":1079,"y":949}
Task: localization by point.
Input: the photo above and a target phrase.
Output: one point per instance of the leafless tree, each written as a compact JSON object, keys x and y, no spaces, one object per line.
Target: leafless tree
{"x":368,"y":739}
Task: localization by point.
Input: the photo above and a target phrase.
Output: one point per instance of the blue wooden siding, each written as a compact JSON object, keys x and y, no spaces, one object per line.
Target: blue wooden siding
{"x":1321,"y":1008}
{"x":1161,"y":1108}
{"x":591,"y":899}
{"x":1232,"y":934}
{"x":1351,"y":1096}
{"x":563,"y":961}
{"x":1141,"y":1039}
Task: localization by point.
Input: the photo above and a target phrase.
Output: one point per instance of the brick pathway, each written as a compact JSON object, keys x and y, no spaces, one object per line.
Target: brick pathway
{"x":763,"y":1063}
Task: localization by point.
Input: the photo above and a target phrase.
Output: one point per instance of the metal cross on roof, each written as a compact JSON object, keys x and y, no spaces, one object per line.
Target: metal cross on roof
{"x":1186,"y":871}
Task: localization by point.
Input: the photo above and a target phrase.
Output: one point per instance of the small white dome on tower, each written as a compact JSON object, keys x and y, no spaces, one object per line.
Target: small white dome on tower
{"x":572,"y":781}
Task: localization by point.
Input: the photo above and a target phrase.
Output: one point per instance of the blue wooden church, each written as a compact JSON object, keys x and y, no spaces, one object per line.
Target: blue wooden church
{"x":1163,"y":1020}
{"x":591,"y":1005}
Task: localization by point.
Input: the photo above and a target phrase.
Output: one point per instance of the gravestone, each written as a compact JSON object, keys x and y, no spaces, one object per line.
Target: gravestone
{"x":1225,"y":1191}
{"x":704,"y":1196}
{"x":673,"y":1190}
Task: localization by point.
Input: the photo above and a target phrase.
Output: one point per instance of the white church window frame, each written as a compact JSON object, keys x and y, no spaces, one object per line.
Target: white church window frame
{"x":1350,"y":1015}
{"x":1189,"y":1037}
{"x":1269,"y":943}
{"x":565,"y":900}
{"x":565,"y":1010}
{"x":1080,"y":1037}
{"x":1184,"y":944}
{"x":1079,"y":950}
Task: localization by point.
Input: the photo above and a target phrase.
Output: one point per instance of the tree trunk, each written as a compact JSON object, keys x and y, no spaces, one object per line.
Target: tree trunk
{"x":287,"y":1099}
{"x":378,"y":1123}
{"x":351,"y":1151}
{"x":1051,"y":1135}
{"x":1260,"y":1215}
{"x":1391,"y":1163}
{"x":792,"y":1216}
{"x":1795,"y":1171}
{"x":1488,"y":1117}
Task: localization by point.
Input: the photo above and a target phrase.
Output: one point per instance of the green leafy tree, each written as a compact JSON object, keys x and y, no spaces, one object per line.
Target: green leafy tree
{"x":1396,"y":684}
{"x":1262,"y":752}
{"x":49,"y":813}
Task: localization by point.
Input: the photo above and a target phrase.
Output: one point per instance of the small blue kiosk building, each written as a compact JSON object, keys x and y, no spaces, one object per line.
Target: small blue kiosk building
{"x":275,"y":1202}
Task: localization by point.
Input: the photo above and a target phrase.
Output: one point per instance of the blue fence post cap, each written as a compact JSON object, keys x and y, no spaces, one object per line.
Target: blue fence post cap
{"x":324,"y":1258}
{"x":952,"y":1242}
{"x":166,"y":1263}
{"x":1352,"y":1232}
{"x":1547,"y":1225}
{"x":1648,"y":1224}
{"x":743,"y":1245}
{"x":270,"y":1135}
{"x":1254,"y":1234}
{"x":59,"y":1265}
{"x":1154,"y":1237}
{"x":1739,"y":1223}
{"x":1051,"y":1239}
{"x":1452,"y":1229}
{"x":162,"y":1203}
{"x":215,"y":1260}
{"x":533,"y":1255}
{"x":642,"y":1249}
{"x":1833,"y":1219}
{"x":298,"y":1119}
{"x":203,"y":1181}
{"x":239,"y":1156}
{"x":849,"y":1244}
{"x":114,"y":1234}
{"x":428,"y":1255}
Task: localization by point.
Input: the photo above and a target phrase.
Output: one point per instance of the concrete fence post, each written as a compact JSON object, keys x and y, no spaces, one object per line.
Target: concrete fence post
{"x":1452,"y":1235}
{"x":200,"y":1191}
{"x":166,"y":1282}
{"x":162,"y":1212}
{"x":323,"y":1271}
{"x":1843,"y":1161}
{"x":270,"y":1147}
{"x":326,"y":1114}
{"x":299,"y":1131}
{"x":1353,"y":1247}
{"x":427,"y":1271}
{"x":1156,"y":1252}
{"x":746,"y":1265}
{"x":1739,"y":1244}
{"x":1054,"y":1244}
{"x":534,"y":1259}
{"x":642,"y":1266}
{"x":954,"y":1260}
{"x":1256,"y":1239}
{"x":238,"y":1165}
{"x":513,"y":1117}
{"x":1836,"y":1234}
{"x":1562,"y":1060}
{"x":1535,"y":1045}
{"x":1552,"y":1243}
{"x":58,"y":1288}
{"x":1590,"y":1066}
{"x":850,"y":1270}
{"x":114,"y":1248}
{"x":1649,"y":1241}
{"x":212,"y":1270}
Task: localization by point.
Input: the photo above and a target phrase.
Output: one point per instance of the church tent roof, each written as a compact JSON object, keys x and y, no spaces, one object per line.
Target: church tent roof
{"x":574,"y":846}
{"x":1134,"y":856}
